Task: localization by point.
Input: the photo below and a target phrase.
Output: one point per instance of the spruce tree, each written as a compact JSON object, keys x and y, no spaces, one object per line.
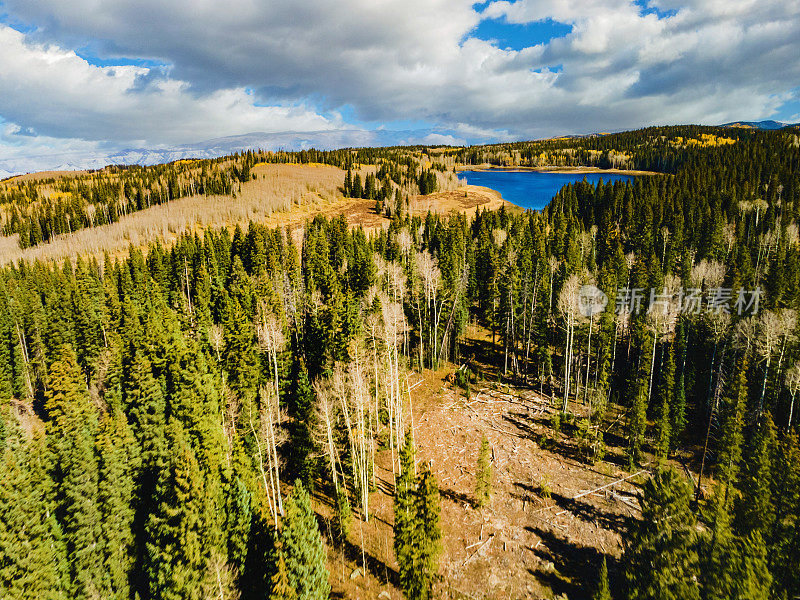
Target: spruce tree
{"x":280,"y":588}
{"x":405,"y":544}
{"x":678,"y":412}
{"x":178,"y":545}
{"x":483,"y":477}
{"x":342,"y":515}
{"x":238,"y":519}
{"x":71,"y":431}
{"x":118,"y":466}
{"x":603,"y":591}
{"x":738,"y":569}
{"x":666,"y":391}
{"x":660,"y":555}
{"x":33,"y":559}
{"x":428,"y":535}
{"x":754,"y":507}
{"x":417,"y":533}
{"x":303,"y":549}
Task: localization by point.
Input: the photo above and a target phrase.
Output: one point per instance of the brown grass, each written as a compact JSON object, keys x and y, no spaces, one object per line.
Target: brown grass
{"x":523,"y":544}
{"x":282,"y":195}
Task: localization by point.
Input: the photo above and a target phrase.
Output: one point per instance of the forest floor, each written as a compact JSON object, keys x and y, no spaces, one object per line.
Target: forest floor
{"x":551,"y":517}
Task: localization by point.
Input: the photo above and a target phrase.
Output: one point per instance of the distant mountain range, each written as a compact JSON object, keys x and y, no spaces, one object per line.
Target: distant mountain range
{"x":767,"y":125}
{"x":288,"y":140}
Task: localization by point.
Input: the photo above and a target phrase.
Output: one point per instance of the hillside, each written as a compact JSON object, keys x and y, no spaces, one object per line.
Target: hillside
{"x":336,"y":374}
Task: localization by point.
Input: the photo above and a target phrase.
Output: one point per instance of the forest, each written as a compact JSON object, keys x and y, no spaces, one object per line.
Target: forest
{"x":171,"y":419}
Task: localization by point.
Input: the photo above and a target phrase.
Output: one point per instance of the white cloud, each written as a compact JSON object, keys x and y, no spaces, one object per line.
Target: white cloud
{"x":395,"y":60}
{"x":57,"y":93}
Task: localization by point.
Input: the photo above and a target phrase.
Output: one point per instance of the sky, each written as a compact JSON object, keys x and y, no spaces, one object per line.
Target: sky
{"x":85,"y":78}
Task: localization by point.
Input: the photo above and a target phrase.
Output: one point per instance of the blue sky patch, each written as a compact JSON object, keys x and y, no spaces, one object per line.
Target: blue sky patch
{"x":513,"y":36}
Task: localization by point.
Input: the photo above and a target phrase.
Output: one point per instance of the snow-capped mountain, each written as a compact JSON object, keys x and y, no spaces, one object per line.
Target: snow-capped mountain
{"x":290,"y":140}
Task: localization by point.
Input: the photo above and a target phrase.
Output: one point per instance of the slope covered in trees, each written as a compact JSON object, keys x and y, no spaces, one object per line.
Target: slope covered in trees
{"x":165,"y":416}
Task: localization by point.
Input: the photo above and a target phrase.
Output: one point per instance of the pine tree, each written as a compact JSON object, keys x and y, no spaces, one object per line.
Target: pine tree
{"x":118,"y":465}
{"x":603,"y":591}
{"x":428,"y":535}
{"x":33,"y":560}
{"x":663,"y":422}
{"x":661,"y":549}
{"x":405,"y":544}
{"x":342,"y":515}
{"x":303,"y":549}
{"x":177,"y":550}
{"x":71,"y":431}
{"x":754,"y":508}
{"x":280,"y":588}
{"x":483,"y":478}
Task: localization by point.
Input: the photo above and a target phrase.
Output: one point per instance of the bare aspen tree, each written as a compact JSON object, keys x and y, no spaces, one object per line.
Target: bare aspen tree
{"x":326,"y":416}
{"x":394,"y":324}
{"x":793,"y":383}
{"x":431,"y":277}
{"x":374,"y":331}
{"x":221,"y":579}
{"x":266,"y":438}
{"x":772,"y":329}
{"x":230,"y":417}
{"x":788,"y":319}
{"x":216,"y":339}
{"x":568,"y":306}
{"x":358,"y":428}
{"x":661,"y":317}
{"x":664,"y":239}
{"x":270,"y":339}
{"x":405,"y":242}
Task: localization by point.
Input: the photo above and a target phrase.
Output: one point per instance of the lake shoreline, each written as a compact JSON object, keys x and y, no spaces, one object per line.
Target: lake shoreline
{"x":554,"y":169}
{"x":534,"y":188}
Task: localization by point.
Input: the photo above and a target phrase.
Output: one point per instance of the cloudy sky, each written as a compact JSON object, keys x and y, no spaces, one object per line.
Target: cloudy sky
{"x":97,"y":76}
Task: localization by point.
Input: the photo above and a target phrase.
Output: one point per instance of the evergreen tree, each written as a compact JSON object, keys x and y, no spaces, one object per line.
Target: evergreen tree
{"x":280,"y":588}
{"x":342,"y":515}
{"x":666,"y":391}
{"x":738,"y":569}
{"x":417,"y":533}
{"x":660,"y":555}
{"x":405,"y":544}
{"x":303,"y":549}
{"x":238,"y":518}
{"x":33,"y":559}
{"x":178,"y":530}
{"x":428,"y":535}
{"x":483,"y":477}
{"x":678,"y":413}
{"x":301,"y":461}
{"x":754,"y":507}
{"x":603,"y":591}
{"x":118,"y":463}
{"x":71,"y":432}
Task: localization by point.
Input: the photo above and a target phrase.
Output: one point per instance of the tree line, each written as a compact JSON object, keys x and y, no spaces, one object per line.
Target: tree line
{"x":204,"y":379}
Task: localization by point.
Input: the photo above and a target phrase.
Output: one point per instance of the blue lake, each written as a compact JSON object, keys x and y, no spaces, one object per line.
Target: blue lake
{"x":532,"y":189}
